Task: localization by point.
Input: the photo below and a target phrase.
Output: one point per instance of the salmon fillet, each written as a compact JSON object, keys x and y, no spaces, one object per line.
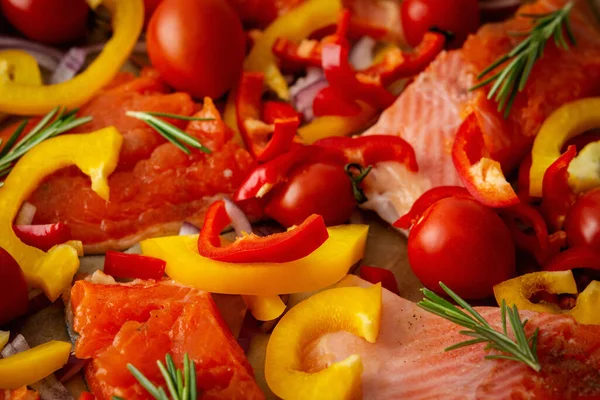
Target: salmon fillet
{"x":408,"y":359}
{"x":156,"y":186}
{"x":428,"y":113}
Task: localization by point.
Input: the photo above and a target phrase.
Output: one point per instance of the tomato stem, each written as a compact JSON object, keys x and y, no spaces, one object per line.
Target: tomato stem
{"x":356,"y":180}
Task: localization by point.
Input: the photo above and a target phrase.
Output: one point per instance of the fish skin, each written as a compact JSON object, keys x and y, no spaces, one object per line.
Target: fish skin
{"x":408,"y":360}
{"x":428,"y":113}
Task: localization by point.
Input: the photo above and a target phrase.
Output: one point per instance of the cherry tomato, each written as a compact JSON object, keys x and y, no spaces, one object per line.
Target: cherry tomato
{"x":460,"y":17}
{"x":319,"y":188}
{"x":14,"y":298}
{"x":583,"y":220}
{"x":52,"y":22}
{"x":463,"y":244}
{"x":149,"y":8}
{"x":198,"y":46}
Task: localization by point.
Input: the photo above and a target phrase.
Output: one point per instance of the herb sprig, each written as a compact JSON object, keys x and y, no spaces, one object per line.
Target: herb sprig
{"x":522,"y":349}
{"x":181,"y":385}
{"x":170,"y":132}
{"x":511,"y":80}
{"x":46,"y":128}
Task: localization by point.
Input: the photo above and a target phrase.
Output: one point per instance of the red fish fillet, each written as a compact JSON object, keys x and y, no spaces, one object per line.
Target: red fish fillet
{"x":428,"y":113}
{"x":156,"y":186}
{"x":408,"y":359}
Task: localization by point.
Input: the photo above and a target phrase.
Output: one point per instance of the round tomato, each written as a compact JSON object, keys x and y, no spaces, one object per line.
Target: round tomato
{"x":319,"y":188}
{"x":52,"y":22}
{"x":198,"y":46}
{"x":149,"y":8}
{"x":14,"y":298}
{"x":463,"y":244}
{"x":583,"y":220}
{"x":460,"y":17}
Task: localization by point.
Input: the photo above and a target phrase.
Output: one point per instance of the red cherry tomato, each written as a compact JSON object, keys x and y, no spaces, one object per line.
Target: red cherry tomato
{"x":52,"y":22}
{"x":583,"y":221}
{"x":463,"y":244}
{"x":14,"y":298}
{"x":198,"y":46}
{"x":149,"y":8}
{"x":319,"y":188}
{"x":460,"y":17}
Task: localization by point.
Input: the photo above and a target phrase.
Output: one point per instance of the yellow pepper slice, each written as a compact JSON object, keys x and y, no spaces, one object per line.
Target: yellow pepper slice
{"x":4,"y":335}
{"x":353,"y":309}
{"x":230,"y":118}
{"x":20,"y":67}
{"x":128,"y":18}
{"x":297,"y":24}
{"x":96,"y":154}
{"x":323,"y":267}
{"x":265,"y":308}
{"x":583,"y":170}
{"x":33,"y":365}
{"x":331,"y":125}
{"x":568,"y":121}
{"x":586,"y":308}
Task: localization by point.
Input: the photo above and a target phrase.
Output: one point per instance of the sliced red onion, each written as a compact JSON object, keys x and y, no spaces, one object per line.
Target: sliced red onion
{"x":69,"y":65}
{"x":17,"y":345}
{"x":71,"y":368}
{"x":188,"y":229}
{"x":305,"y":89}
{"x":361,"y":55}
{"x":26,"y":214}
{"x":47,"y":57}
{"x":497,"y":10}
{"x":239,"y":221}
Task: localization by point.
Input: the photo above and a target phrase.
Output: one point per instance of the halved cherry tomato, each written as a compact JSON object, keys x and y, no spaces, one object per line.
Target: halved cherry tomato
{"x":52,"y":22}
{"x":319,"y":188}
{"x":198,"y":46}
{"x":463,"y":244}
{"x":460,"y":17}
{"x":583,"y":220}
{"x":13,"y":289}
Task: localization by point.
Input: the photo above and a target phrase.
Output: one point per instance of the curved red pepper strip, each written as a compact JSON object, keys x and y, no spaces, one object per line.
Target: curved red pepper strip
{"x":557,"y":195}
{"x":369,"y":150}
{"x":537,"y":245}
{"x":523,"y":179}
{"x":329,"y":102}
{"x":44,"y":237}
{"x":133,"y":266}
{"x":292,"y":245}
{"x":576,"y":257}
{"x":400,"y":65}
{"x":380,"y":275}
{"x":273,"y":110}
{"x":265,"y":176}
{"x":428,"y":199}
{"x":472,"y":163}
{"x":248,"y":109}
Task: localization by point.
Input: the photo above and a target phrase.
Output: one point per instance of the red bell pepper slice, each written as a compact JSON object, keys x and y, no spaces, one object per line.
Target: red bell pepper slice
{"x":133,"y":266}
{"x":380,"y":275}
{"x":267,"y":175}
{"x":397,"y":64}
{"x":523,"y":179}
{"x":255,"y":133}
{"x":481,"y":175}
{"x":537,"y":245}
{"x":274,"y":110}
{"x":329,"y":102}
{"x":87,"y":396}
{"x":557,"y":195}
{"x":428,"y":199}
{"x":44,"y":237}
{"x":292,"y":245}
{"x":576,"y":257}
{"x":369,"y":150}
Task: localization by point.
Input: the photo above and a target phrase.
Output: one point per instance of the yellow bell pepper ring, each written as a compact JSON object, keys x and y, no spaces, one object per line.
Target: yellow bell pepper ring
{"x":568,"y":121}
{"x":297,"y":24}
{"x":96,"y":154}
{"x":323,"y":267}
{"x":128,"y":18}
{"x":265,"y":308}
{"x":586,"y":308}
{"x":33,"y":365}
{"x":20,"y":67}
{"x":583,"y":171}
{"x":353,"y":309}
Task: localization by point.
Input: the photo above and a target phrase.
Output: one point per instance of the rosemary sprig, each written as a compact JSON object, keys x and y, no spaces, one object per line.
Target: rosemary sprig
{"x":511,"y":80}
{"x":170,"y":132}
{"x":13,"y":149}
{"x":181,"y":385}
{"x":522,"y":349}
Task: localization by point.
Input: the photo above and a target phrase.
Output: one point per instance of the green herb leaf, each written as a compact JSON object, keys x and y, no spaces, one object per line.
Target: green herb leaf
{"x":522,"y":349}
{"x":512,"y":79}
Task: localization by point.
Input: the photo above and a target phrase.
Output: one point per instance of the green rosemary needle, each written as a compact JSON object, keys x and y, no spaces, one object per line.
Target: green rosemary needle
{"x":511,"y":80}
{"x":522,"y":349}
{"x":170,"y":132}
